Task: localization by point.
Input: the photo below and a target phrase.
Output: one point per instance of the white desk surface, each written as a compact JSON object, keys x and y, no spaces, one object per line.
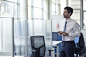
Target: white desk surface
{"x":56,"y":42}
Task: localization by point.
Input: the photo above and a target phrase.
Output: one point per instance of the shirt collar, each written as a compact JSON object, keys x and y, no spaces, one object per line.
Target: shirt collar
{"x":68,"y":20}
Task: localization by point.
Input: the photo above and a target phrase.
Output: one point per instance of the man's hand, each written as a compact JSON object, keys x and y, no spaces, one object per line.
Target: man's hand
{"x":63,"y":33}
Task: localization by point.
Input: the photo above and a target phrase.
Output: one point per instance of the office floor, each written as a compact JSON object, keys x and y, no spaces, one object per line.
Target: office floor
{"x":79,"y":56}
{"x":47,"y":52}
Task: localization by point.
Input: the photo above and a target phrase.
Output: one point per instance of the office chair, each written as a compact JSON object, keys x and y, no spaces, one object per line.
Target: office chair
{"x":80,"y":46}
{"x":38,"y":45}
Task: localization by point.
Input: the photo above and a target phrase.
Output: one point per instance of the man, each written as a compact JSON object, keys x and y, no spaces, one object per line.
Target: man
{"x":71,"y":30}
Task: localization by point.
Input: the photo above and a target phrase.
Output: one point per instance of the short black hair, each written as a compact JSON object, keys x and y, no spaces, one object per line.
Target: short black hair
{"x":69,"y":9}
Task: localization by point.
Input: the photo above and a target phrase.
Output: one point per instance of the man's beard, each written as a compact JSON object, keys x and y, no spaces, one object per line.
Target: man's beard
{"x":65,"y":16}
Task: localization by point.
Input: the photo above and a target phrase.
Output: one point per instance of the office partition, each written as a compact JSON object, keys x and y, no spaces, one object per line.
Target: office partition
{"x":23,"y":29}
{"x":6,"y":37}
{"x":19,"y":38}
{"x":41,"y":28}
{"x":57,"y":25}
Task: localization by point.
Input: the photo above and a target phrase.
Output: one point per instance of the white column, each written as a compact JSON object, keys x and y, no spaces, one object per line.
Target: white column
{"x":24,"y":9}
{"x":67,"y":3}
{"x":49,"y":9}
{"x":12,"y":36}
{"x":81,"y":14}
{"x":24,"y":5}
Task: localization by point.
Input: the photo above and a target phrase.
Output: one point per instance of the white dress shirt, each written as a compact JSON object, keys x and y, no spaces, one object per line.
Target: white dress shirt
{"x":72,"y":28}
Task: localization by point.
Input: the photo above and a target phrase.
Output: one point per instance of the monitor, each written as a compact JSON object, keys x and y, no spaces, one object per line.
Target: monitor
{"x":54,"y":36}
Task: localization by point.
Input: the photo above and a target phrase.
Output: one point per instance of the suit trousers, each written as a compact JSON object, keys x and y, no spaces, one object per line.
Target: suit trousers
{"x":67,"y":49}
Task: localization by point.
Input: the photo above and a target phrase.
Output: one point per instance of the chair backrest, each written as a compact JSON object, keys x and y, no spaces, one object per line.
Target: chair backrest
{"x":38,"y":44}
{"x":76,"y":40}
{"x":81,"y":41}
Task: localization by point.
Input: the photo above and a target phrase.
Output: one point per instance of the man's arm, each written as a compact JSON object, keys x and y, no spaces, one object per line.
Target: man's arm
{"x":63,"y":33}
{"x":76,"y":31}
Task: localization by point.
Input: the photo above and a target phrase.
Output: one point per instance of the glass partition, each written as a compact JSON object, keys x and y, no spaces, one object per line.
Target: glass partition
{"x":19,"y":28}
{"x":39,"y":27}
{"x":34,"y":27}
{"x":57,"y":23}
{"x":6,"y":37}
{"x":30,"y":27}
{"x":19,"y":38}
{"x":48,"y":27}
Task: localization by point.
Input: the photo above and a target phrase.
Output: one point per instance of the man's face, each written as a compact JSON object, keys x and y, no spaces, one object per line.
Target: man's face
{"x":66,"y":14}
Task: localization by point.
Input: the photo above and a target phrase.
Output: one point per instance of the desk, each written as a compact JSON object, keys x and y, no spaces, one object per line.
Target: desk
{"x":56,"y":43}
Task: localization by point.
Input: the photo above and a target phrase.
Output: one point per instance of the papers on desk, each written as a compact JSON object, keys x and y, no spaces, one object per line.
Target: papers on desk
{"x":55,"y":42}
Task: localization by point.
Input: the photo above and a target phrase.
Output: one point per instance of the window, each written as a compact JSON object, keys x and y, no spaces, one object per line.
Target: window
{"x":37,"y":13}
{"x":58,"y":7}
{"x":9,"y":9}
{"x":76,"y":16}
{"x":84,"y":14}
{"x":84,"y":20}
{"x":5,"y":9}
{"x":37,"y":10}
{"x":12,"y":0}
{"x":76,"y":10}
